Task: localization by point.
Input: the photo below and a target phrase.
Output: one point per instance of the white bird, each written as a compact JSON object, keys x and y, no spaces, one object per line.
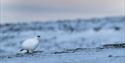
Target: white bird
{"x":30,"y":44}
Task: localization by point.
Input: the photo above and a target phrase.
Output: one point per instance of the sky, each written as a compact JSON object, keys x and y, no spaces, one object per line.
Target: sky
{"x":12,"y":11}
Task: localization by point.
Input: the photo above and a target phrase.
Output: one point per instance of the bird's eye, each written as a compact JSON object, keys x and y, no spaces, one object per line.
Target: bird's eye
{"x":38,"y":36}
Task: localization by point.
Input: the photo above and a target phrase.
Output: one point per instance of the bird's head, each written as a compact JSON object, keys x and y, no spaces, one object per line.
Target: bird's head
{"x":38,"y":36}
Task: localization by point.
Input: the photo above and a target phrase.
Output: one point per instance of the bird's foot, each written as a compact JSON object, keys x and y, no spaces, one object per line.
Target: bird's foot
{"x":29,"y":51}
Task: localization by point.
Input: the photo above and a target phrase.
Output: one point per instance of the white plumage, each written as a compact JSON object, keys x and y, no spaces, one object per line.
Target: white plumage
{"x":30,"y":44}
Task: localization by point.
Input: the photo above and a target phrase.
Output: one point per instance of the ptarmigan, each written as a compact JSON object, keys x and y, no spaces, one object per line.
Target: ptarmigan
{"x":30,"y":44}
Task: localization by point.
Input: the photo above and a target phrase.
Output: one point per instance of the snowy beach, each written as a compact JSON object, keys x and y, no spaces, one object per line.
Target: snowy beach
{"x":93,"y":40}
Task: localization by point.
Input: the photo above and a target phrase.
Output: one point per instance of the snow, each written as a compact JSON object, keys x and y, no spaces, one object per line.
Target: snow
{"x":60,"y":39}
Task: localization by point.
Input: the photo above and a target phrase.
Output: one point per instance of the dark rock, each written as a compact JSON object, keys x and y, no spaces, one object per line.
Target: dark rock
{"x":117,"y":28}
{"x":97,"y":28}
{"x":9,"y":57}
{"x":120,"y":45}
{"x":110,"y":56}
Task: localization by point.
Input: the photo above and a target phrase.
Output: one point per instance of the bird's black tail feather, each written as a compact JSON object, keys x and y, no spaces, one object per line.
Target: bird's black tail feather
{"x":21,"y":49}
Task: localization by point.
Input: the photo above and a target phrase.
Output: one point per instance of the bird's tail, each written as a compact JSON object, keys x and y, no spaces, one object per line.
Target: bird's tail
{"x":21,"y":49}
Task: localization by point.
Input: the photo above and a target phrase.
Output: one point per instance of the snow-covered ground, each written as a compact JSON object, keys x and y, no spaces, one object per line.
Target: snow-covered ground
{"x":80,"y":56}
{"x":60,"y":39}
